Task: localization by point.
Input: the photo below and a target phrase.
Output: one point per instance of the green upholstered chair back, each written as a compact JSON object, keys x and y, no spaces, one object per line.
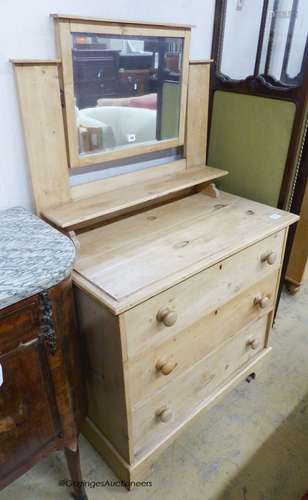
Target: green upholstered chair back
{"x":250,"y":138}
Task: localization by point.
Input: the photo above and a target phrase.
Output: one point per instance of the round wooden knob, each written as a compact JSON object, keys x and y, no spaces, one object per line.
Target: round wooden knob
{"x":261,"y":301}
{"x":252,"y":343}
{"x":165,"y":367}
{"x":166,"y":316}
{"x":164,"y":414}
{"x":269,"y":257}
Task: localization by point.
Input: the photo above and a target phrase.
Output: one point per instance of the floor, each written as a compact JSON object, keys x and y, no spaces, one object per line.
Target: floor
{"x":251,"y":446}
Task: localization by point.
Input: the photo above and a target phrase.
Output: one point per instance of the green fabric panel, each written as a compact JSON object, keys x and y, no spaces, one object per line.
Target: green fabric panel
{"x":170,"y":114}
{"x":250,"y":139}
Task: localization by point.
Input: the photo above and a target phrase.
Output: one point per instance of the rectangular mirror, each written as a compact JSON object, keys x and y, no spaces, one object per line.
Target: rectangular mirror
{"x":125,"y":90}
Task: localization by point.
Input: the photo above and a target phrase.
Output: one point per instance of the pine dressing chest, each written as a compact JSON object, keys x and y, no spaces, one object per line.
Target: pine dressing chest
{"x":175,"y":281}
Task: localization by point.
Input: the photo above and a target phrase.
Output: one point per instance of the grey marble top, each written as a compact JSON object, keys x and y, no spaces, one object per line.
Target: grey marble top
{"x":33,"y":255}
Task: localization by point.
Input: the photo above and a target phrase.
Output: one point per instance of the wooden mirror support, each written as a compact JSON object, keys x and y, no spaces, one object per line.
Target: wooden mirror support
{"x":46,"y":122}
{"x":125,"y":31}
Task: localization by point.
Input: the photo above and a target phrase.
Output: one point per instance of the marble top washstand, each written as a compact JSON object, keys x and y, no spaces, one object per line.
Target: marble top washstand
{"x":33,"y":255}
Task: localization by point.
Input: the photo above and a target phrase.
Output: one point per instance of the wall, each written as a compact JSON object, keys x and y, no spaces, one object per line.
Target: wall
{"x":27,"y":32}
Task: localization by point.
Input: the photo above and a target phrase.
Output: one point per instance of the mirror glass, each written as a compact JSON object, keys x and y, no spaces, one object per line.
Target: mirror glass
{"x":240,"y":38}
{"x":298,"y":42}
{"x":267,"y":38}
{"x":285,"y":41}
{"x":127,"y":90}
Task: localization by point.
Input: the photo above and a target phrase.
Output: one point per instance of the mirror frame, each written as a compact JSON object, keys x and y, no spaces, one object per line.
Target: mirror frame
{"x":65,"y":26}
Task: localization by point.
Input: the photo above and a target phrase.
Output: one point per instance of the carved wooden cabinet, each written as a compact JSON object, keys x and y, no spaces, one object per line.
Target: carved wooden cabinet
{"x":42,"y":392}
{"x":94,"y":71}
{"x":42,"y":402}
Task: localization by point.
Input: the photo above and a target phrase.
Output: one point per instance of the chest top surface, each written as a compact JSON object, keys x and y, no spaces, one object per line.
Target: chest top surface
{"x":33,"y":255}
{"x":132,"y":259}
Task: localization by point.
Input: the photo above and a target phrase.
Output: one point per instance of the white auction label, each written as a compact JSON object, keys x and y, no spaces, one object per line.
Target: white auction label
{"x":1,"y":376}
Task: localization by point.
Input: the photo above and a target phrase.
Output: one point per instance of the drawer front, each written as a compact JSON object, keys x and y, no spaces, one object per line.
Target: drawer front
{"x":172,"y":311}
{"x":153,"y":369}
{"x":18,"y":323}
{"x":157,"y":417}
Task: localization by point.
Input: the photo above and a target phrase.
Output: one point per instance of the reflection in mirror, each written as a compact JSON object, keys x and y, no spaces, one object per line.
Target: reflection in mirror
{"x":297,"y":43}
{"x":240,"y":38}
{"x":277,"y":36}
{"x":127,"y":90}
{"x":284,"y":41}
{"x":264,"y":37}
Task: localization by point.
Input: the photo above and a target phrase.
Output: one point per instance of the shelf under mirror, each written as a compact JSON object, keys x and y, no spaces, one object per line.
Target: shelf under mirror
{"x":134,"y":190}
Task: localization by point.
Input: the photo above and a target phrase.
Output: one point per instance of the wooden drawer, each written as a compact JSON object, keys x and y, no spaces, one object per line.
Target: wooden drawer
{"x":199,"y":295}
{"x":18,"y":323}
{"x":153,"y":369}
{"x":154,"y":419}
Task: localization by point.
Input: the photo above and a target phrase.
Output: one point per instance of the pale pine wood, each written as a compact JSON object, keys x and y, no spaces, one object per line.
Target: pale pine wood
{"x":262,"y":301}
{"x":120,"y":21}
{"x":297,"y":267}
{"x":166,"y":316}
{"x":107,"y":390}
{"x":184,"y":90}
{"x":168,"y":299}
{"x":178,"y":240}
{"x":199,"y":296}
{"x":64,"y":29}
{"x":142,"y":465}
{"x":269,"y":257}
{"x":64,"y":48}
{"x":201,"y":61}
{"x":159,"y":364}
{"x":149,"y":456}
{"x":40,"y":104}
{"x":197,"y":114}
{"x":165,"y":367}
{"x":73,"y":237}
{"x":126,"y":180}
{"x":142,"y":452}
{"x":164,"y":414}
{"x":192,"y":388}
{"x":148,"y":186}
{"x":129,"y":30}
{"x":35,"y":62}
{"x":123,"y":152}
{"x":104,"y":447}
{"x":211,"y":190}
{"x":271,"y":316}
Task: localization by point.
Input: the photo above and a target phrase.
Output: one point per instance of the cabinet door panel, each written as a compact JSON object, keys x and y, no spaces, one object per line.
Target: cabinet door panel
{"x":28,"y":415}
{"x":18,"y":323}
